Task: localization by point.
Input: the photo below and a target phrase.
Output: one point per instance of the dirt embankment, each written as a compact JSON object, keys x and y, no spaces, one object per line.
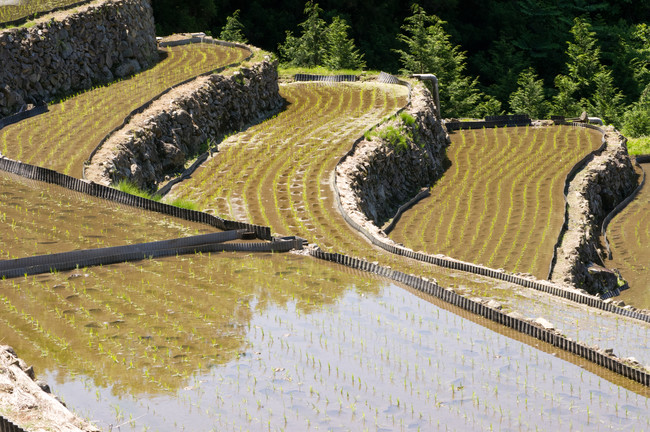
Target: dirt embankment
{"x":382,"y":174}
{"x":157,"y":142}
{"x":27,"y":402}
{"x":606,"y":181}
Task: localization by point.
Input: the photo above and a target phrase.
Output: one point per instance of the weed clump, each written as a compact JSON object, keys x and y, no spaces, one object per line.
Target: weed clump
{"x":184,"y":204}
{"x":396,"y":135}
{"x":133,"y":189}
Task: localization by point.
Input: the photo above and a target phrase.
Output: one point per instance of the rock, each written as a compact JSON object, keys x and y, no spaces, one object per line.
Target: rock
{"x":69,"y":53}
{"x":517,"y":315}
{"x":494,"y":305}
{"x":127,"y":68}
{"x":44,"y":386}
{"x":544,"y":323}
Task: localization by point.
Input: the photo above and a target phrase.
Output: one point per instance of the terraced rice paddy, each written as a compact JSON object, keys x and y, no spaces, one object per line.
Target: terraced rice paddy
{"x":284,"y":342}
{"x":38,"y":219}
{"x":239,"y":184}
{"x":501,"y":201}
{"x":278,"y":173}
{"x":629,"y":239}
{"x":63,"y":138}
{"x":27,"y":8}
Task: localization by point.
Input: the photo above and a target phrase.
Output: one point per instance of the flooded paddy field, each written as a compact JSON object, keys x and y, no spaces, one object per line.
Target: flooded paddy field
{"x":629,"y":239}
{"x":286,"y":342}
{"x":626,"y":336}
{"x":277,"y":173}
{"x":500,"y":203}
{"x":37,"y":218}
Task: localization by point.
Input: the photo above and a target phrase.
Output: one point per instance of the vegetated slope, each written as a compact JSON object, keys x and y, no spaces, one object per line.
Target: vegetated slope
{"x":63,"y":138}
{"x":629,"y":239}
{"x":501,"y":201}
{"x":27,"y":8}
{"x":38,"y":219}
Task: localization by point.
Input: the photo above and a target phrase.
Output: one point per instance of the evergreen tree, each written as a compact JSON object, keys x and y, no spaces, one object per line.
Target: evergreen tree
{"x":233,"y":30}
{"x":501,"y":65}
{"x":584,"y":55}
{"x":636,"y":56}
{"x":564,"y":102}
{"x":529,"y":97}
{"x":341,"y":51}
{"x":605,"y":99}
{"x":429,"y":50}
{"x":588,"y":80}
{"x":308,"y":50}
{"x":176,"y":16}
{"x":636,"y":120}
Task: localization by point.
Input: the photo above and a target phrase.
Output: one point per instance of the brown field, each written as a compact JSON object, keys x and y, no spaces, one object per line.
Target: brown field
{"x":63,"y":138}
{"x":629,"y":239}
{"x":501,"y":201}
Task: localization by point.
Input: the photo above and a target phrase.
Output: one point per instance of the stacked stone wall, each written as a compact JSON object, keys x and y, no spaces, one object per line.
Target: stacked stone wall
{"x":70,"y":51}
{"x":383,"y":176}
{"x":159,"y":141}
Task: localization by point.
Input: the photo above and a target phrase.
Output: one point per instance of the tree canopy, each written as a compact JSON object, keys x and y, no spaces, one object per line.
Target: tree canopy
{"x":592,"y":55}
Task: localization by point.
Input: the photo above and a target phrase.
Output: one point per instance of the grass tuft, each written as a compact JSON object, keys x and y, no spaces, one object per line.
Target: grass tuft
{"x":131,"y":188}
{"x":184,"y":203}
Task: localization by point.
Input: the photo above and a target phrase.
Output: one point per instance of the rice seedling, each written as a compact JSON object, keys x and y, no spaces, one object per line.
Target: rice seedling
{"x":37,"y":219}
{"x":498,"y":196}
{"x":628,"y":236}
{"x":26,"y":9}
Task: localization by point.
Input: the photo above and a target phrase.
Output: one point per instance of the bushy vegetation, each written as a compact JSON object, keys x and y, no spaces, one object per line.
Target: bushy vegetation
{"x":491,"y":57}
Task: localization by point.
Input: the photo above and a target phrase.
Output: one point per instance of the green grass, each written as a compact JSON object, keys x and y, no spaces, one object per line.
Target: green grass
{"x":131,"y":188}
{"x":184,"y":203}
{"x":638,"y":146}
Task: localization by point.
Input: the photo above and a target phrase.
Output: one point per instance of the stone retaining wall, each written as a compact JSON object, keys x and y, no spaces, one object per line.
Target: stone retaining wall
{"x":378,"y":177}
{"x":158,"y":142}
{"x":71,"y":51}
{"x":595,"y":191}
{"x":27,"y":402}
